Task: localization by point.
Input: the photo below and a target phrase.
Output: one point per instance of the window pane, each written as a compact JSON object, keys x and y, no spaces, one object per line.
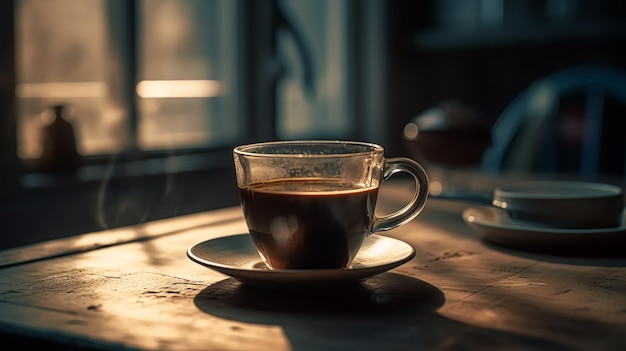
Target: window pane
{"x":64,"y":58}
{"x":325,"y":113}
{"x":187,"y":65}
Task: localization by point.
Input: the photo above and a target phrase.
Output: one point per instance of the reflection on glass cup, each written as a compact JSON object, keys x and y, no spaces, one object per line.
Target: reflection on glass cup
{"x":310,"y":204}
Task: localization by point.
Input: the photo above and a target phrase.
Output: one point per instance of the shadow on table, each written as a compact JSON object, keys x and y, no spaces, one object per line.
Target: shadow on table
{"x":579,"y":256}
{"x":387,"y":311}
{"x":382,"y":293}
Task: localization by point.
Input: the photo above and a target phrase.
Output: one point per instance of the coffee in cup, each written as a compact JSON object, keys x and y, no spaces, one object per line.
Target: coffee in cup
{"x":311,"y":204}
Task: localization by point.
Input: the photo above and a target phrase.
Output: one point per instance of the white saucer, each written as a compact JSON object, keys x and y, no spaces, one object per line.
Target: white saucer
{"x":237,"y":257}
{"x":495,"y":226}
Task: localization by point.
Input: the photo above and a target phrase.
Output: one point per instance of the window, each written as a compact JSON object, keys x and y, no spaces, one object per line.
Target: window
{"x":146,"y":75}
{"x":155,"y":75}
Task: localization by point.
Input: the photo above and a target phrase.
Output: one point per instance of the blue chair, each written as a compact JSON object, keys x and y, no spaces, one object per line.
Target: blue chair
{"x":570,"y":122}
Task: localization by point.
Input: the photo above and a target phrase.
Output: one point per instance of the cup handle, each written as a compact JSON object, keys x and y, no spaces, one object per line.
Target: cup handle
{"x":415,"y":206}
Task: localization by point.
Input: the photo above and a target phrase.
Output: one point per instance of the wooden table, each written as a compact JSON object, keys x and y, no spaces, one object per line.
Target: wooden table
{"x":133,"y":288}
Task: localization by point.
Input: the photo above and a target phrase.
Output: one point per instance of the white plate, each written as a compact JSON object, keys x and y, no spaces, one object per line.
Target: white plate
{"x":563,"y":204}
{"x":237,"y":257}
{"x":495,"y":226}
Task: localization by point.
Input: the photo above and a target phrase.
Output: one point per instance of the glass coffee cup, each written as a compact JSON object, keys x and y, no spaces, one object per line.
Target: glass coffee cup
{"x":311,"y":204}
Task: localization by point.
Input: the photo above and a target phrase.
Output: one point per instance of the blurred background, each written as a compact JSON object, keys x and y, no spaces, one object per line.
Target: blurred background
{"x":117,"y":112}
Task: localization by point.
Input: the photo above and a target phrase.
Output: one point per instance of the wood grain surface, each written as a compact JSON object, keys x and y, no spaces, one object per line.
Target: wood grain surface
{"x":143,"y":293}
